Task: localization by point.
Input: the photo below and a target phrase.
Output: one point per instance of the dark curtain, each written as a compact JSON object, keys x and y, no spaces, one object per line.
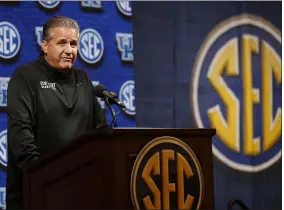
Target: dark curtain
{"x":167,"y":37}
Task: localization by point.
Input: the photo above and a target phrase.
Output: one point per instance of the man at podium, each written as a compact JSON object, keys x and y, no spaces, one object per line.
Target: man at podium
{"x":49,"y":103}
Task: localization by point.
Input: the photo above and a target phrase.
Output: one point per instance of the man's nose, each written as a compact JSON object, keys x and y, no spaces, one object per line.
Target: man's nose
{"x":68,"y":49}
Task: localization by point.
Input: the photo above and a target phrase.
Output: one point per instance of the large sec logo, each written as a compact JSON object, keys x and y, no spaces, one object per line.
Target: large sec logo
{"x":166,"y":175}
{"x":127,"y":96}
{"x":3,"y":148}
{"x":91,"y":46}
{"x":10,"y":40}
{"x":237,"y":90}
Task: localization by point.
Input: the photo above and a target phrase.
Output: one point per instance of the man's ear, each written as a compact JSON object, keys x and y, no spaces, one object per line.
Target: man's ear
{"x":44,"y":46}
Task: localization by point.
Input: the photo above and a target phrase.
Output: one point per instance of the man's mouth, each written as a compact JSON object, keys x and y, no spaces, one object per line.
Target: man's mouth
{"x":67,"y":59}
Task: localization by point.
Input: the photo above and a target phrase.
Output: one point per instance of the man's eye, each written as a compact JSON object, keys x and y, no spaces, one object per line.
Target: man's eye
{"x":61,"y":42}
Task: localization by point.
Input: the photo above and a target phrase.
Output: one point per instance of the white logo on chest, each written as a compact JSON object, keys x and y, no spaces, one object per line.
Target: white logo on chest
{"x":45,"y":84}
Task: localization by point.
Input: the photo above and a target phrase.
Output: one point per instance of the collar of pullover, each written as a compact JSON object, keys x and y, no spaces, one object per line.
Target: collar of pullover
{"x":54,"y":72}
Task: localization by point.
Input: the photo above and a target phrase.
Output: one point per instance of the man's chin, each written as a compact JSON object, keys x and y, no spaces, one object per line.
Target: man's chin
{"x":66,"y":67}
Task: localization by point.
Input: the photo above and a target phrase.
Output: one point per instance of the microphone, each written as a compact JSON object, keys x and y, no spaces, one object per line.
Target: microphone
{"x":101,"y":92}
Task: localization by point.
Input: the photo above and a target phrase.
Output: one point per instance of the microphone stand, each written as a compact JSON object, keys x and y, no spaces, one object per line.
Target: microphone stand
{"x":112,"y":112}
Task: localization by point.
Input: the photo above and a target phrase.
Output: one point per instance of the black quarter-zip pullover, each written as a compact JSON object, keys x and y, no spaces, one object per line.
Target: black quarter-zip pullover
{"x":46,"y":109}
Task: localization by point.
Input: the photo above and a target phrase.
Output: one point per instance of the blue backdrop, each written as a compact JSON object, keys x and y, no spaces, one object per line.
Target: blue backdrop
{"x":106,"y":50}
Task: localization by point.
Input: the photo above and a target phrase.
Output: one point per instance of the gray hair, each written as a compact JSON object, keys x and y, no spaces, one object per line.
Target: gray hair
{"x":58,"y":22}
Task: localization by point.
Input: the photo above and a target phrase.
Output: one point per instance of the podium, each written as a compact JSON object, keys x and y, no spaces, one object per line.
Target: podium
{"x":96,"y":170}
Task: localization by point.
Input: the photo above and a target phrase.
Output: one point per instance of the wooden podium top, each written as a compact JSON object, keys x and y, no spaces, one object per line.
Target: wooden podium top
{"x":118,"y":132}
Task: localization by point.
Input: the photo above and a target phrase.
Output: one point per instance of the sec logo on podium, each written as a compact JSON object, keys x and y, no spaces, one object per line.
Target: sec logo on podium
{"x":166,"y":175}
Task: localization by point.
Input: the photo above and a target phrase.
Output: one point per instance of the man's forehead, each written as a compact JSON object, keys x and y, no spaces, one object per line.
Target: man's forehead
{"x":63,"y":33}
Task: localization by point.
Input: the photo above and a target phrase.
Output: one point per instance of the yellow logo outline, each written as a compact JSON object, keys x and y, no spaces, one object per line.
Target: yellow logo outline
{"x":147,"y":148}
{"x":221,"y":28}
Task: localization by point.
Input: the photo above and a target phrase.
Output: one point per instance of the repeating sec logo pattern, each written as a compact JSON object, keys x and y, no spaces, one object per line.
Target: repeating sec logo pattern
{"x":239,"y":67}
{"x":124,"y":7}
{"x":49,"y":4}
{"x":3,"y":197}
{"x":100,"y":100}
{"x":125,"y":46}
{"x":127,"y":96}
{"x":3,"y":90}
{"x":91,"y":46}
{"x":12,"y":32}
{"x":10,"y":40}
{"x":3,"y":148}
{"x":166,"y":175}
{"x":38,"y":33}
{"x":91,"y":3}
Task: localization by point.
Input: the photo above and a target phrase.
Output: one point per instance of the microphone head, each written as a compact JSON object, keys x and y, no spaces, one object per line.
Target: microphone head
{"x":98,"y":90}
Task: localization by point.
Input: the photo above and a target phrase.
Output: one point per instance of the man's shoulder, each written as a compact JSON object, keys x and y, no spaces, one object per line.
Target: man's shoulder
{"x":83,"y":75}
{"x":24,"y":72}
{"x":80,"y":70}
{"x":26,"y":69}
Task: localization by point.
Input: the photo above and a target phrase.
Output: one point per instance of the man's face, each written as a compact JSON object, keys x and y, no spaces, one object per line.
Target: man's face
{"x":61,"y":51}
